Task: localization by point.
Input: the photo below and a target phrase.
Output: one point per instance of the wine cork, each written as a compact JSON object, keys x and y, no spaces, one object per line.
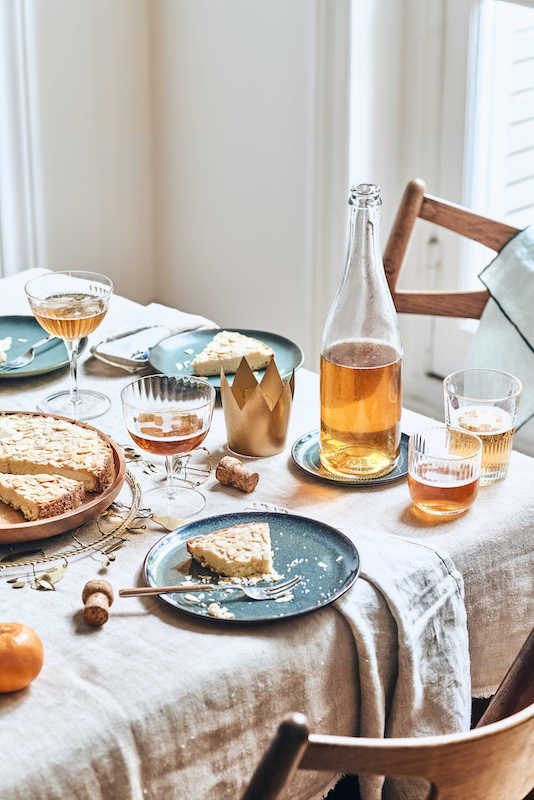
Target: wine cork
{"x":232,"y":472}
{"x":97,"y":597}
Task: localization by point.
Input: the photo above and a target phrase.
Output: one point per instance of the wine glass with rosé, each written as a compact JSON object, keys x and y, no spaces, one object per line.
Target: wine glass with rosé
{"x":71,"y":304}
{"x":168,"y":416}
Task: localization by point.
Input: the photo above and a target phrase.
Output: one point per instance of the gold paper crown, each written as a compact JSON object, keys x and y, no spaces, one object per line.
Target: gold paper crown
{"x":257,"y":414}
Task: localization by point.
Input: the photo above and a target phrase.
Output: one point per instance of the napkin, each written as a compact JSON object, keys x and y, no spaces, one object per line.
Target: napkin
{"x":127,"y":349}
{"x":505,"y":337}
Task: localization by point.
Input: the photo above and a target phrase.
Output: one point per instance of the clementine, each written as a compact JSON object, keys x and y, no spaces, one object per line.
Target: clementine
{"x":21,"y":656}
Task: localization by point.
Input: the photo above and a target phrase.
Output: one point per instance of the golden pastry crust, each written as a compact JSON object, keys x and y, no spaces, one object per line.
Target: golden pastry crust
{"x":32,"y":445}
{"x":226,"y":350}
{"x":41,"y":496}
{"x":240,"y":551}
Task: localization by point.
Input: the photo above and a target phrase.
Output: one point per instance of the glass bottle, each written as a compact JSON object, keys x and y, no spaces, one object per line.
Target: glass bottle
{"x":361,"y":355}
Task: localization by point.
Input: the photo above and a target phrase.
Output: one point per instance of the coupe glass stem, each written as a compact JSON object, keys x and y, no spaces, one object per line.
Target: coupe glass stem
{"x":170,"y":484}
{"x":72,"y":350}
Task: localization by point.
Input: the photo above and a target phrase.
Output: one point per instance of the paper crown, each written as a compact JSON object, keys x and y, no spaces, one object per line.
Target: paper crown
{"x":257,"y":414}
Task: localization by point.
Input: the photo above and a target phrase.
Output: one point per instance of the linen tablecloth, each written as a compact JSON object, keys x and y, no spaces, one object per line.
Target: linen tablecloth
{"x":149,"y":663}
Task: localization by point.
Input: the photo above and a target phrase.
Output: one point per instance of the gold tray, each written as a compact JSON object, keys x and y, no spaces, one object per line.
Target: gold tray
{"x":13,"y":529}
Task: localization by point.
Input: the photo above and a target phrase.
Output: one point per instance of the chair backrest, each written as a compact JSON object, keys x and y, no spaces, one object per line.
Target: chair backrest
{"x":415,"y":203}
{"x":489,"y":763}
{"x":492,"y":762}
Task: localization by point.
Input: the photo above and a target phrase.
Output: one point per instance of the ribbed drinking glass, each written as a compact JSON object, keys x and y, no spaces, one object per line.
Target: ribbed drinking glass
{"x":485,"y":402}
{"x":444,"y":470}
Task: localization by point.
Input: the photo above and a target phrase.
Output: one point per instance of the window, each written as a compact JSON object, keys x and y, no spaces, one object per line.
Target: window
{"x":511,"y":147}
{"x":20,"y":235}
{"x":496,"y":147}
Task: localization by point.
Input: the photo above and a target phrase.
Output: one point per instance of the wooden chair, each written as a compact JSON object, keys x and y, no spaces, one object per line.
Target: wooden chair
{"x":415,"y":203}
{"x":495,"y":761}
{"x":516,"y":690}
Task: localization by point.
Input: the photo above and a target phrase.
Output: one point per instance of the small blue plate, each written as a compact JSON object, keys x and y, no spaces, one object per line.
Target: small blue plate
{"x":174,"y":355}
{"x":24,"y":331}
{"x":325,"y":558}
{"x":305,"y":453}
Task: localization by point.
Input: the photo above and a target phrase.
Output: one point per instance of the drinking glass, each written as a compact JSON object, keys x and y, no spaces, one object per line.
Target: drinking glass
{"x":71,"y":304}
{"x":168,"y":415}
{"x":444,"y":470}
{"x":485,"y":402}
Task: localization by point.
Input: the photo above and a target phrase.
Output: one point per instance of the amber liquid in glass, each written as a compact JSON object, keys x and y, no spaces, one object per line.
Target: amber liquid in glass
{"x":438,"y":491}
{"x":495,"y":427}
{"x":168,"y":434}
{"x":71,"y":315}
{"x":360,"y":408}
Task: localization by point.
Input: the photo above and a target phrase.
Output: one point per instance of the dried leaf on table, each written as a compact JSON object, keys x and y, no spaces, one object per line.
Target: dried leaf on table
{"x":42,"y":583}
{"x":169,"y":523}
{"x":55,"y":575}
{"x":48,"y":580}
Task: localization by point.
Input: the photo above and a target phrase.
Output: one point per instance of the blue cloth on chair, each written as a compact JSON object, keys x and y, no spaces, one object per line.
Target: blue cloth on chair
{"x":505,"y":337}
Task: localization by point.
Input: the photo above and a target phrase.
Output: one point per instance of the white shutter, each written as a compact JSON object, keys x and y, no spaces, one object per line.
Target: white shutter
{"x":517,"y":23}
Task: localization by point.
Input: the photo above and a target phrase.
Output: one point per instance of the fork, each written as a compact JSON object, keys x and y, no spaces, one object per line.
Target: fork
{"x":254,"y":592}
{"x":27,"y":357}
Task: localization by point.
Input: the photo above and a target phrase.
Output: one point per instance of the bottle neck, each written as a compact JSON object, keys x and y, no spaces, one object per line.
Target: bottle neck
{"x":363,"y":308}
{"x":364,"y":238}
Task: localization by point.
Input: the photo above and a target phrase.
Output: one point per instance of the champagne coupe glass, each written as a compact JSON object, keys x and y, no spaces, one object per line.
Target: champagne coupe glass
{"x":168,"y":415}
{"x":71,"y":304}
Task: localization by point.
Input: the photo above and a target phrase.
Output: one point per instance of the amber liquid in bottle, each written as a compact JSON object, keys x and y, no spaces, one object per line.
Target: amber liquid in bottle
{"x":360,"y":408}
{"x":70,"y":316}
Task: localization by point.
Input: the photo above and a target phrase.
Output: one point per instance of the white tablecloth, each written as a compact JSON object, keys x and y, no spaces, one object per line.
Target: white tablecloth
{"x":106,"y":700}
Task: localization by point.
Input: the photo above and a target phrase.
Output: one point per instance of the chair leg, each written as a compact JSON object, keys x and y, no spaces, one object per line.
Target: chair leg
{"x":280,"y":760}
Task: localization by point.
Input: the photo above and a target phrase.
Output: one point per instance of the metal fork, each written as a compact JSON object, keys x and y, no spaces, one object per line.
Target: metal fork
{"x":27,"y":357}
{"x":254,"y":592}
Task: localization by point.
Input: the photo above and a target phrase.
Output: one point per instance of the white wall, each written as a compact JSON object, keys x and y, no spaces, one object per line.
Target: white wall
{"x":234,"y":91}
{"x":194,"y":150}
{"x":376,"y":99}
{"x":92,"y":130}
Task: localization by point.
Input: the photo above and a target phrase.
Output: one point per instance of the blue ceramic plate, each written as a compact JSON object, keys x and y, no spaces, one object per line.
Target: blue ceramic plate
{"x":305,"y":454}
{"x":24,"y":331}
{"x":174,"y":355}
{"x":326,"y":559}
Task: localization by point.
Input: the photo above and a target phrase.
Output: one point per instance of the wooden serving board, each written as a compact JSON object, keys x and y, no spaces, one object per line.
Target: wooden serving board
{"x":14,"y":529}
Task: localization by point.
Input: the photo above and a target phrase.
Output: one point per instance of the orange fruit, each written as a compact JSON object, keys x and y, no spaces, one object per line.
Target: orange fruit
{"x":21,"y":656}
